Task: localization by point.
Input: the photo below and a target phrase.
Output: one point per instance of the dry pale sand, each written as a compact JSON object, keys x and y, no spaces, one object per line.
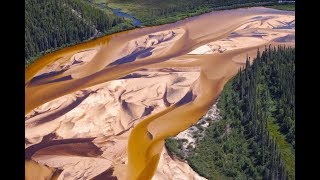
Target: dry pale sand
{"x":106,"y":111}
{"x":103,"y":109}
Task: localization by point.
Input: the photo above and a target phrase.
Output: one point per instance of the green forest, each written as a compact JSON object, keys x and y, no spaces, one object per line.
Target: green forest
{"x":53,"y":24}
{"x":255,"y":137}
{"x":155,"y":12}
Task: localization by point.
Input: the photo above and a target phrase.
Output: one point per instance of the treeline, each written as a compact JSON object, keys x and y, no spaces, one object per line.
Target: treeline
{"x":186,"y":6}
{"x":51,"y":24}
{"x":255,"y":139}
{"x":164,"y":11}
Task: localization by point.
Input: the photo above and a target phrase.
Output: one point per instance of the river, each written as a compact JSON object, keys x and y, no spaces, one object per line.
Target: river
{"x":213,"y":46}
{"x":119,"y":13}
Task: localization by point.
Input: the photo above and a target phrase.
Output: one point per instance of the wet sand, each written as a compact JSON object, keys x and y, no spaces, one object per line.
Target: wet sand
{"x":161,"y":81}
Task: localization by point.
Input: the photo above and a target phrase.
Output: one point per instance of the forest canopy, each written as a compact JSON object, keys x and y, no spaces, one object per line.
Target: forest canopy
{"x":52,"y":24}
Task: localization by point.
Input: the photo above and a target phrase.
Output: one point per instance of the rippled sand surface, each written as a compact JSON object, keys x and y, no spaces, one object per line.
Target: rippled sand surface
{"x":102,"y":109}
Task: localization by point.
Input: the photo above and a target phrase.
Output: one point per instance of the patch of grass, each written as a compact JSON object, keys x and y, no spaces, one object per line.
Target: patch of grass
{"x":286,"y":150}
{"x":99,"y":1}
{"x":286,"y":7}
{"x":163,"y":12}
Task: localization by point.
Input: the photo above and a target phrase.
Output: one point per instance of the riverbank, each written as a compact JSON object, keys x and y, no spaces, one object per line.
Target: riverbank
{"x":183,"y":144}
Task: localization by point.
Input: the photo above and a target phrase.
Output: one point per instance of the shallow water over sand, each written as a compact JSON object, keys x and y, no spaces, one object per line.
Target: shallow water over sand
{"x":214,"y":45}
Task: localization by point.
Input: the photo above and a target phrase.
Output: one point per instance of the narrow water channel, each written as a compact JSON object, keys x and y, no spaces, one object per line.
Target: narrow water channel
{"x":135,"y":21}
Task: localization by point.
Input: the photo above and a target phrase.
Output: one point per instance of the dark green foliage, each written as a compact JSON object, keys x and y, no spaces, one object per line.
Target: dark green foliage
{"x":50,"y":24}
{"x":258,"y":104}
{"x":155,"y":12}
{"x":174,"y":146}
{"x":284,"y":6}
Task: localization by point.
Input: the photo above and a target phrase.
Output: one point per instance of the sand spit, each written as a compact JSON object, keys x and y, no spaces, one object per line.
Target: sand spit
{"x":103,"y":108}
{"x":63,"y":64}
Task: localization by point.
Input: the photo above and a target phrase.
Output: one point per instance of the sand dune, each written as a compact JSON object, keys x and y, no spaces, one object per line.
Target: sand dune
{"x":108,"y":108}
{"x":63,"y":64}
{"x":260,"y":30}
{"x":136,"y":49}
{"x":104,"y":108}
{"x":106,"y":112}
